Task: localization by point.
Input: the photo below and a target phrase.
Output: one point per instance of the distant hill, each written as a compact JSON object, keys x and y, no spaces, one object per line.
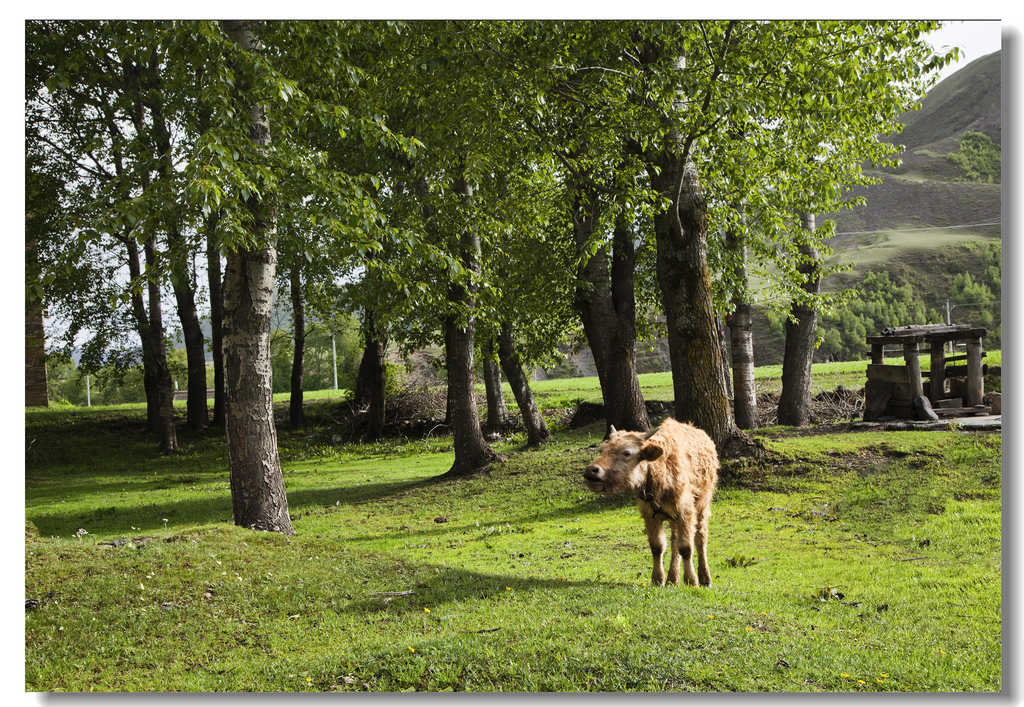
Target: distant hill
{"x":916,"y":223}
{"x":967,"y":100}
{"x":928,"y":189}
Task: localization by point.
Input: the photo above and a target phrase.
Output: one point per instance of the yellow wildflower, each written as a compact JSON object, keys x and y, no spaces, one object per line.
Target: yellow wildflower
{"x":711,"y":616}
{"x":844,"y":675}
{"x":860,"y":682}
{"x":508,"y":589}
{"x":411,"y":649}
{"x":426,"y":610}
{"x":749,"y":628}
{"x":885,"y":675}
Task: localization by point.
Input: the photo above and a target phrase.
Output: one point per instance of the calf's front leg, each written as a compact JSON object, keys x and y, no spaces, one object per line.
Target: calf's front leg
{"x":656,"y":539}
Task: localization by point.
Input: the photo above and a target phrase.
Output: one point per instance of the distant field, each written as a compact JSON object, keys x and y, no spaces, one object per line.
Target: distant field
{"x":886,"y":246}
{"x":566,"y":392}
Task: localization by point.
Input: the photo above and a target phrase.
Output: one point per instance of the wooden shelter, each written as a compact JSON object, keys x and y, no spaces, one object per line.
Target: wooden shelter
{"x":952,"y":390}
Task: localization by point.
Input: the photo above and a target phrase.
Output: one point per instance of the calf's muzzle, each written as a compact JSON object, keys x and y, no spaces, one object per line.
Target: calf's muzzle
{"x":593,"y":475}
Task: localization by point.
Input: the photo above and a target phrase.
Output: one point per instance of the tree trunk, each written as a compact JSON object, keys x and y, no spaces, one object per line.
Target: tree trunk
{"x":215,"y":279}
{"x":795,"y":401}
{"x":257,"y":486}
{"x":608,"y":314}
{"x":142,"y":327}
{"x":497,"y":412}
{"x":371,"y":381}
{"x":592,"y":300}
{"x":536,"y":429}
{"x":627,"y":411}
{"x":295,"y":415}
{"x":723,"y":343}
{"x":178,"y":256}
{"x":685,"y":283}
{"x":472,"y":453}
{"x":745,"y":394}
{"x":35,"y":339}
{"x":742,"y":344}
{"x":161,"y":373}
{"x":195,"y":343}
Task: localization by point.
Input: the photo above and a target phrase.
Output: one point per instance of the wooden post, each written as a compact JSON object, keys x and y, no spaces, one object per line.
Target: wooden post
{"x":975,"y":381}
{"x":876,"y":353}
{"x":938,"y":376}
{"x":913,"y":369}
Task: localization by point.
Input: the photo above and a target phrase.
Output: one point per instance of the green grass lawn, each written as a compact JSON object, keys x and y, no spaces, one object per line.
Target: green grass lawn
{"x":844,"y":562}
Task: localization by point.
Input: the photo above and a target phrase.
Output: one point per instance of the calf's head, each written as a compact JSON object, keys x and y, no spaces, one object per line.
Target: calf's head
{"x":618,"y":463}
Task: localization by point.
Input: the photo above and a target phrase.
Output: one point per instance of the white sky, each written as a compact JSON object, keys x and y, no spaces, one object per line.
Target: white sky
{"x":974,"y":38}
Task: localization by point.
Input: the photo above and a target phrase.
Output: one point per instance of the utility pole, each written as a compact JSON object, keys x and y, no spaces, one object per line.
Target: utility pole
{"x":334,"y":362}
{"x":88,"y":394}
{"x":949,"y":323}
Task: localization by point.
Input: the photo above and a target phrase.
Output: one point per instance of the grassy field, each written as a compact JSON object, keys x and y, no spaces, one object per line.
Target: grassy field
{"x":877,"y":249}
{"x":858,"y":561}
{"x":565,"y":392}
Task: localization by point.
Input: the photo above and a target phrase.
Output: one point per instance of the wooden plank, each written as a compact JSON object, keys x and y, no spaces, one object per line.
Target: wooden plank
{"x":913,"y":368}
{"x":922,"y":329}
{"x":956,"y":371}
{"x":876,"y":354}
{"x":961,"y":412}
{"x":937,"y":384}
{"x":947,"y":403}
{"x":975,"y":374}
{"x":964,"y":334}
{"x":934,"y":337}
{"x":887,"y":374}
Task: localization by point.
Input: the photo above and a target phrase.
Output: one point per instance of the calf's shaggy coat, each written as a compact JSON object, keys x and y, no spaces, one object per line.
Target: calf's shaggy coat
{"x":673,"y":472}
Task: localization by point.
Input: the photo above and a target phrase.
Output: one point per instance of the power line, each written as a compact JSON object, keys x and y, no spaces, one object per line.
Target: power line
{"x":903,"y":231}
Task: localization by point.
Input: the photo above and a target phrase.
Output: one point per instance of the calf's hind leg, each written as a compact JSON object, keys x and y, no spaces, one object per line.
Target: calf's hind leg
{"x":656,"y":538}
{"x":701,"y":543}
{"x":682,"y":549}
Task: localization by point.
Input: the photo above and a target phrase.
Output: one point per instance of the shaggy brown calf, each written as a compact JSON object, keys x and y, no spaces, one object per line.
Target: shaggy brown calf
{"x":672,"y":471}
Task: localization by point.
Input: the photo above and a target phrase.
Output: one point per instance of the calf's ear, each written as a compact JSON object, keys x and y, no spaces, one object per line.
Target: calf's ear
{"x":650,"y":452}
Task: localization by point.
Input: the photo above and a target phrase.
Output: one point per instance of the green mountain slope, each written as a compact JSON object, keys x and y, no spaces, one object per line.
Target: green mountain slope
{"x":920,"y":224}
{"x":928,"y":189}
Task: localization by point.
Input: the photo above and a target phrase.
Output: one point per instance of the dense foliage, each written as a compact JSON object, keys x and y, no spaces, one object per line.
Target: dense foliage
{"x":884,"y":299}
{"x":979,"y":158}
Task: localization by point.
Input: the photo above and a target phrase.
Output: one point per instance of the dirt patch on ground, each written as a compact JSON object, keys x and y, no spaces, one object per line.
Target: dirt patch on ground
{"x":775,"y":472}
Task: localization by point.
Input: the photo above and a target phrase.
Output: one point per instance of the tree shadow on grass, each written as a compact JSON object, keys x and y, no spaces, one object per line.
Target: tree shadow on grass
{"x":213,"y":507}
{"x":594,"y":505}
{"x":433,"y":586}
{"x":134,"y":519}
